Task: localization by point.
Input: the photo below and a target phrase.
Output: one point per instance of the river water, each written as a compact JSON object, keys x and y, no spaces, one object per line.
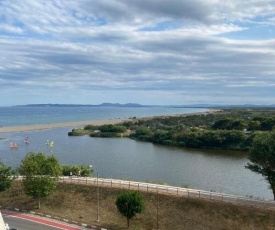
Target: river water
{"x":212,"y":170}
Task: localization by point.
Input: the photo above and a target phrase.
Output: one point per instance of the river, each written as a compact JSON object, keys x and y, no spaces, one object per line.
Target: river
{"x":212,"y":170}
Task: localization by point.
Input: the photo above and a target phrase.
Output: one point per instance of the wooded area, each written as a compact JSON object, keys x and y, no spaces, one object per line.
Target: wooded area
{"x":232,"y":129}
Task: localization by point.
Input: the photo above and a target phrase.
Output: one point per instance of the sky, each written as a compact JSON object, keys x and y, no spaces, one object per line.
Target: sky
{"x":151,"y":52}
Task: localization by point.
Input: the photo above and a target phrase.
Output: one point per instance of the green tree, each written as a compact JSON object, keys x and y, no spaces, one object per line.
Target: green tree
{"x":129,"y":204}
{"x":40,"y":174}
{"x":6,"y":177}
{"x":262,"y":157}
{"x":143,"y":133}
{"x":254,"y":125}
{"x":224,"y":123}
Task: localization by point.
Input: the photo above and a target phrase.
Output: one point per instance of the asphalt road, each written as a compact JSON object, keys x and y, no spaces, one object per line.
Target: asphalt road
{"x":28,"y":222}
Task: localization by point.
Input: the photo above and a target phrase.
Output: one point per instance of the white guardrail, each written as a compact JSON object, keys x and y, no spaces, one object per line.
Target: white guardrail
{"x":165,"y":189}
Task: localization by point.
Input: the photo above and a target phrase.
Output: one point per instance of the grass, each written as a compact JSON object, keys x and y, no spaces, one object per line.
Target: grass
{"x":79,"y":203}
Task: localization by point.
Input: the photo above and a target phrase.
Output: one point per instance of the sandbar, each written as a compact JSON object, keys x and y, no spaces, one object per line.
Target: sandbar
{"x":77,"y":124}
{"x":25,"y":128}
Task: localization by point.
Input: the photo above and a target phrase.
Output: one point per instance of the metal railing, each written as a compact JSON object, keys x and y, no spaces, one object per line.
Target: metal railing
{"x":165,"y":189}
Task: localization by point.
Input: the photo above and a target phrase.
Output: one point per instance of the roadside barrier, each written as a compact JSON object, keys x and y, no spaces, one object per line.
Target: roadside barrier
{"x":170,"y":190}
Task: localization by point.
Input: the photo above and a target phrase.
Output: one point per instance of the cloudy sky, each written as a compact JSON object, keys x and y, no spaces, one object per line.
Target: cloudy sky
{"x":143,"y":51}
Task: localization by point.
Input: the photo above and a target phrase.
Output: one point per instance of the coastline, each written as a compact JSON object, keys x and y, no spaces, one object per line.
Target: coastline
{"x":77,"y":124}
{"x":25,"y":128}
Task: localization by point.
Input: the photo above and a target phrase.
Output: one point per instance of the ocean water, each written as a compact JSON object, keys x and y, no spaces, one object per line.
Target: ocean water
{"x":12,"y":116}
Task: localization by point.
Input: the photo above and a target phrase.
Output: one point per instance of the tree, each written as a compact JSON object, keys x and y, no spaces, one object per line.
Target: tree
{"x":262,"y":157}
{"x":40,"y":173}
{"x":129,"y":204}
{"x":6,"y":178}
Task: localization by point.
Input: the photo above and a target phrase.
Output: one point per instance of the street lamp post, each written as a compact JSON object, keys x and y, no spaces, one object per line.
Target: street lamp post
{"x":97,"y":198}
{"x":158,"y":211}
{"x":97,"y":195}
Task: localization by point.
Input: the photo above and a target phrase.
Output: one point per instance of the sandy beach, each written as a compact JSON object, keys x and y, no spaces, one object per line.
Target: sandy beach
{"x":76,"y":124}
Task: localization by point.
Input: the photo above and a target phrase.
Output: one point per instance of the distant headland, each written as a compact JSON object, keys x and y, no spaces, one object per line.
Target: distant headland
{"x":140,"y":105}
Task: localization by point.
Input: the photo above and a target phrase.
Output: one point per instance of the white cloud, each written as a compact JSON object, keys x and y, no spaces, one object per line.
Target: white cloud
{"x":179,"y":49}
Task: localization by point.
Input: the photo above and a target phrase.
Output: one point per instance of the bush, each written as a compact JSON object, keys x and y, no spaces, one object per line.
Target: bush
{"x":112,"y":128}
{"x":84,"y":170}
{"x":106,"y":134}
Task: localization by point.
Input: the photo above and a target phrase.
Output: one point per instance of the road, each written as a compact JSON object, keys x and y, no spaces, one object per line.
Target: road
{"x":22,"y":221}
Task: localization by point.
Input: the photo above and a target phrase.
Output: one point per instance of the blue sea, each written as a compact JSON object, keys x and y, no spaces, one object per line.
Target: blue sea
{"x":28,"y":115}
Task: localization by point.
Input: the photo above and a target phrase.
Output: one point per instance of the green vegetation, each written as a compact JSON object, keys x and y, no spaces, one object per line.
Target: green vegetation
{"x":262,"y":157}
{"x":232,"y":129}
{"x":84,"y":170}
{"x":79,"y":132}
{"x":101,"y":131}
{"x":40,"y":174}
{"x":6,"y":177}
{"x":129,"y":204}
{"x":227,"y":129}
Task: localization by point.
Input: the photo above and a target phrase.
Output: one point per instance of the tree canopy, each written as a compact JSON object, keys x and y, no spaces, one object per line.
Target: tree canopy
{"x":40,"y":173}
{"x":5,"y":177}
{"x":262,"y":157}
{"x":225,"y":129}
{"x":129,"y":204}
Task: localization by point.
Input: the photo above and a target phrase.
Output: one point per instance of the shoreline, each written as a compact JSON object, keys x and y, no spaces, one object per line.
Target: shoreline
{"x":25,"y":128}
{"x":77,"y":124}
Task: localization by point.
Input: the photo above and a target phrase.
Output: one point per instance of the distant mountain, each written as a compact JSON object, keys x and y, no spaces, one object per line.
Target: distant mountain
{"x":139,"y":105}
{"x":121,"y":105}
{"x":80,"y":105}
